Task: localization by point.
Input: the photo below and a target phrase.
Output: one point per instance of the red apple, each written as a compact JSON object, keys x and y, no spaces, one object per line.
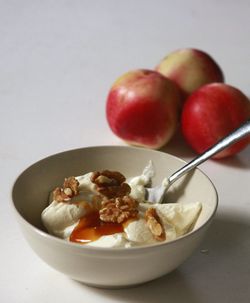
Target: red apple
{"x":212,"y":112}
{"x":190,"y":69}
{"x":143,"y":108}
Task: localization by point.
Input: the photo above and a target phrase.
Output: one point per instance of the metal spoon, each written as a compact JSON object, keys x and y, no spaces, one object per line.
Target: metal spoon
{"x":156,"y":194}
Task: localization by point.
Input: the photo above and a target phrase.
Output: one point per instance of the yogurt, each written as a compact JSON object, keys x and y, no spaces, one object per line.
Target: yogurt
{"x":64,"y":219}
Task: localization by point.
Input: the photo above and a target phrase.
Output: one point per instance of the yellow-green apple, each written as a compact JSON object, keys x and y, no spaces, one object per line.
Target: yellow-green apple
{"x":143,"y":108}
{"x":190,"y":69}
{"x":212,"y":112}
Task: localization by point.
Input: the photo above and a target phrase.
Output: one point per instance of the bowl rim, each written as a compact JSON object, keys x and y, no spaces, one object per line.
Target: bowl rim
{"x":118,"y":250}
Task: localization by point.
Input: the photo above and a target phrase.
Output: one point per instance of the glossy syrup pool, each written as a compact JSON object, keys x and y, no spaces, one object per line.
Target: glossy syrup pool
{"x":91,"y":228}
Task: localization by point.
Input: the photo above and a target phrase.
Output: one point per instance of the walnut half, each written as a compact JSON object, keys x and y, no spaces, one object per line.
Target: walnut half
{"x":70,"y":189}
{"x":118,"y":210}
{"x":110,"y":184}
{"x":154,"y":224}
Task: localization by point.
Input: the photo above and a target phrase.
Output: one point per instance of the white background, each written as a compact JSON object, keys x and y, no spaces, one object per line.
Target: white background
{"x":58,"y":60}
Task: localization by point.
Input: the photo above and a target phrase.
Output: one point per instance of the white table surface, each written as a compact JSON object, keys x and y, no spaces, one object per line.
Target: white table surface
{"x":58,"y":60}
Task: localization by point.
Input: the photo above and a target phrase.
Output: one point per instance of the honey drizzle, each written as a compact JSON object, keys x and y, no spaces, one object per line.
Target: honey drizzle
{"x":91,"y":228}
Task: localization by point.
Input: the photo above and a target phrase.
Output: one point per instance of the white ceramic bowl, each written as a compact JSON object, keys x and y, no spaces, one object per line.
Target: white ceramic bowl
{"x":109,"y":267}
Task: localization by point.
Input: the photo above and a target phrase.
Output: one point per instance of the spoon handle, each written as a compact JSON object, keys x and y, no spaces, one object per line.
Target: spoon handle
{"x":233,"y":137}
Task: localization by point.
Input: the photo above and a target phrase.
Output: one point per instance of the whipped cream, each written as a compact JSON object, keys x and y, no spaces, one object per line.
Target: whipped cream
{"x":61,"y":218}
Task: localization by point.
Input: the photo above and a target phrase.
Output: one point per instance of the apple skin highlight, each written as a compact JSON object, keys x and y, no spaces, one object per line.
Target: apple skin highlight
{"x":143,"y":108}
{"x":190,"y":69}
{"x":211,"y":113}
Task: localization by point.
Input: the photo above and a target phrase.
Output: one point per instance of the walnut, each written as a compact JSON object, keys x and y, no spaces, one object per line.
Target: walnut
{"x":71,"y":185}
{"x":118,"y":210}
{"x":154,"y":224}
{"x":110,"y":184}
{"x":70,"y":189}
{"x":107,"y":177}
{"x":59,"y":195}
